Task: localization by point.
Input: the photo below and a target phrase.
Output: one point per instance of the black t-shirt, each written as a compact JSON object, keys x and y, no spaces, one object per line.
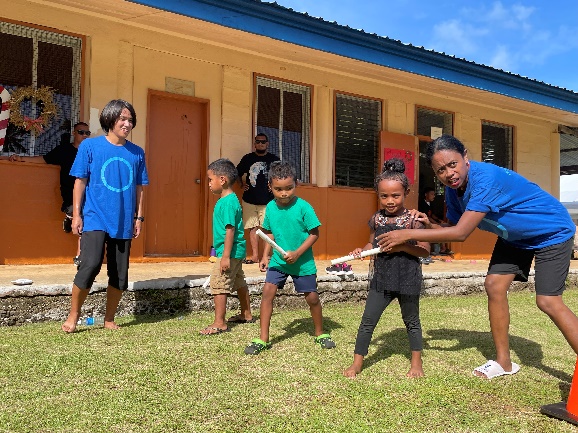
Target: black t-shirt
{"x":64,"y":155}
{"x":424,"y":207}
{"x":256,"y":169}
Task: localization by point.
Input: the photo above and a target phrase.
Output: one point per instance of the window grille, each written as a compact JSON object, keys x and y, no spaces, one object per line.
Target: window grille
{"x":497,"y":144}
{"x":357,"y":126}
{"x":426,"y":119}
{"x":35,"y":57}
{"x":282,"y":112}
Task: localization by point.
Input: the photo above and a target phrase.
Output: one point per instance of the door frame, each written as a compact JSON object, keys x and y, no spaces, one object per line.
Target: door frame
{"x":204,"y":239}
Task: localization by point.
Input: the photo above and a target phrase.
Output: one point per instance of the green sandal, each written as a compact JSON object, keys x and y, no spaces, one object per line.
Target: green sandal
{"x":325,"y":341}
{"x":256,"y":347}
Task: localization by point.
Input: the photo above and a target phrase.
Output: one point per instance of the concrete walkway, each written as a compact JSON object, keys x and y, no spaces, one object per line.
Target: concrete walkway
{"x":46,"y":275}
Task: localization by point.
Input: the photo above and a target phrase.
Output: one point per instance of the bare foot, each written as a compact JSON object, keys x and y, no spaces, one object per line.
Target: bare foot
{"x":415,"y":372}
{"x":111,"y":325}
{"x":352,"y":371}
{"x":69,"y":326}
{"x":215,"y":328}
{"x":416,"y":365}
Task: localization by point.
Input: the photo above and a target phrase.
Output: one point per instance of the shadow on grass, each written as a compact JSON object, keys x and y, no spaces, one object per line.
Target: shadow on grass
{"x":304,"y":326}
{"x":154,"y":303}
{"x":529,"y":352}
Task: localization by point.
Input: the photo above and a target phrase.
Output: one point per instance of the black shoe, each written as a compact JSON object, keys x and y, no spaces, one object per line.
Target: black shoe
{"x":67,"y":225}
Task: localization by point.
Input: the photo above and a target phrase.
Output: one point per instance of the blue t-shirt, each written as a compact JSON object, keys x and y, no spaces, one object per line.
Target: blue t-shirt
{"x":291,"y":225}
{"x":517,"y":210}
{"x":227,"y":212}
{"x":113,"y":173}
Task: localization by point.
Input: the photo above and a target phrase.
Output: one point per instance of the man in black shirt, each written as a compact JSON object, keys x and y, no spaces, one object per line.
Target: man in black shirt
{"x":253,"y":173}
{"x":63,"y":155}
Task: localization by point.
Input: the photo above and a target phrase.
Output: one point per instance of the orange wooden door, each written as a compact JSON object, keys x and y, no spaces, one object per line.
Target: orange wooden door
{"x":176,"y":163}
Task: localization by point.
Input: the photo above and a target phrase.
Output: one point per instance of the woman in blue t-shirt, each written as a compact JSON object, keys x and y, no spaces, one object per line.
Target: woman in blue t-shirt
{"x":531,"y":225}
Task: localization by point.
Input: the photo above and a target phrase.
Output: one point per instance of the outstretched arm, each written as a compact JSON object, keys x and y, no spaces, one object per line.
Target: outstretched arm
{"x":458,"y":233}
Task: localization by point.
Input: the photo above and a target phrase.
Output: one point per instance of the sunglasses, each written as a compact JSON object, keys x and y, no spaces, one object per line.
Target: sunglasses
{"x":83,"y":132}
{"x":260,"y":141}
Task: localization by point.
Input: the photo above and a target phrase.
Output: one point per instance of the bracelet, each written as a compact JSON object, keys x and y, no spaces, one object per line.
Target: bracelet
{"x":139,"y":218}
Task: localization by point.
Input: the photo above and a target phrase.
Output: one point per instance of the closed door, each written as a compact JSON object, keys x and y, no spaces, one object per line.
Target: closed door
{"x":177,"y":140}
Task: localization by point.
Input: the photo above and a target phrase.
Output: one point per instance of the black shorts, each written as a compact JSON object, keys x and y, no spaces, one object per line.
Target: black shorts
{"x":551,"y":265}
{"x":92,"y":255}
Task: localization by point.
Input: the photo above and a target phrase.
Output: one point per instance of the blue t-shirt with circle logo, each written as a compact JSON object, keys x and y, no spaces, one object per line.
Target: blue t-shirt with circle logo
{"x":112,"y":173}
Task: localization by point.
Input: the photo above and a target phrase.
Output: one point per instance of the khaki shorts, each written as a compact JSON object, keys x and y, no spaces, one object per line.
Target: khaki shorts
{"x":227,"y":282}
{"x":253,"y":215}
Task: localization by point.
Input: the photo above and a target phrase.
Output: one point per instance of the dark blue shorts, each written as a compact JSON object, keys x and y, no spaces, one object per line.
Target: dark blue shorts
{"x":303,"y":284}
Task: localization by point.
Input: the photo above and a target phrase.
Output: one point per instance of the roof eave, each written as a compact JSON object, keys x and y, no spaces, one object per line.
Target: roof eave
{"x":277,"y":22}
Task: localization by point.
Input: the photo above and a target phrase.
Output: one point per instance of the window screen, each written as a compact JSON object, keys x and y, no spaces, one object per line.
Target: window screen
{"x":497,"y":144}
{"x":35,"y":57}
{"x":282,"y":112}
{"x":357,"y":126}
{"x":426,"y":119}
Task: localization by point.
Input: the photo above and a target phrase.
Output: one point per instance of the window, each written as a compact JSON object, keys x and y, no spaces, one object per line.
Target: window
{"x":282,"y":112}
{"x":497,"y":144}
{"x":357,"y":127}
{"x":428,"y":119}
{"x":35,"y":57}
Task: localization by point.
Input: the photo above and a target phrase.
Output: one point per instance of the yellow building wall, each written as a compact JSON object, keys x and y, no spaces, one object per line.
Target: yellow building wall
{"x":124,"y":61}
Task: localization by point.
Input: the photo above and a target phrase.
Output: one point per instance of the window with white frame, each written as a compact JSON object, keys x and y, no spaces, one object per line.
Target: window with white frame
{"x":497,"y":144}
{"x":357,"y":127}
{"x":283,"y":112}
{"x":32,"y":58}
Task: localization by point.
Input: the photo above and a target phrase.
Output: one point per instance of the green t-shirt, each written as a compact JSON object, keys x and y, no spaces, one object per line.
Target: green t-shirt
{"x":291,"y":225}
{"x":228,"y":212}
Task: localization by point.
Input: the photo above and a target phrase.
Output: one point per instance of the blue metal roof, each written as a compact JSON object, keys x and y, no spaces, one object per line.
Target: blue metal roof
{"x":277,"y":22}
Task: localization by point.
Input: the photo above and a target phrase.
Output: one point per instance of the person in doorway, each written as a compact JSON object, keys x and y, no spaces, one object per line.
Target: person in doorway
{"x":425,"y":206}
{"x":256,"y":193}
{"x":63,"y":155}
{"x":531,"y":226}
{"x":107,"y":208}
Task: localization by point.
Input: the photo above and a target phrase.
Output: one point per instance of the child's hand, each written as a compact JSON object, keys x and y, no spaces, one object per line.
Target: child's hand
{"x":225,"y":264}
{"x":356,"y":252}
{"x":291,"y":257}
{"x":264,"y":264}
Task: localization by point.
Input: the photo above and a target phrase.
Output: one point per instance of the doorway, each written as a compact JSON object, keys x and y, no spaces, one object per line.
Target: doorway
{"x":175,"y":199}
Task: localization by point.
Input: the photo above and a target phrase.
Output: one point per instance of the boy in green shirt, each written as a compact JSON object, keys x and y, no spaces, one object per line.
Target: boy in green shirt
{"x":227,"y":275}
{"x":291,"y":222}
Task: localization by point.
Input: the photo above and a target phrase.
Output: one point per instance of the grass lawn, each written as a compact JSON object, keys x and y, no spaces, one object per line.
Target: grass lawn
{"x":158,"y":375}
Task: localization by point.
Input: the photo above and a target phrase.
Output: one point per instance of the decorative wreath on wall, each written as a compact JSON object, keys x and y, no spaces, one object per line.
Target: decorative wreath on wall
{"x":49,"y":111}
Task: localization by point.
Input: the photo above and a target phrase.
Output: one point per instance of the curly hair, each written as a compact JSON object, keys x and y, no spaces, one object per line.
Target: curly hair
{"x":224,"y":167}
{"x":282,"y":170}
{"x":393,"y":169}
